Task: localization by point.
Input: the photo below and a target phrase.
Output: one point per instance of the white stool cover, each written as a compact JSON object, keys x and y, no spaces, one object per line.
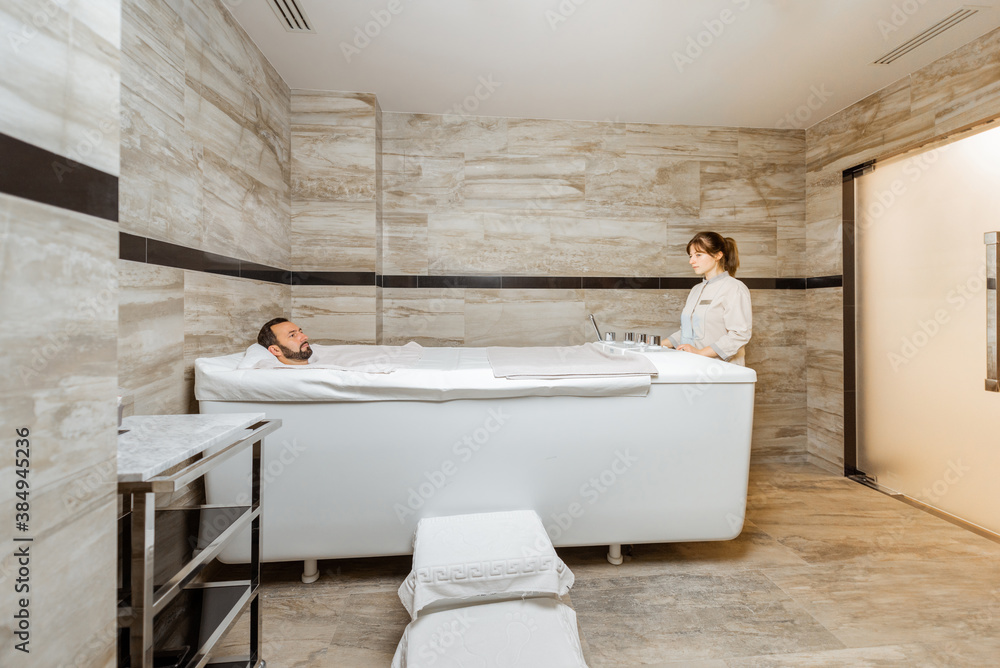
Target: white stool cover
{"x":482,"y":557}
{"x":529,"y":633}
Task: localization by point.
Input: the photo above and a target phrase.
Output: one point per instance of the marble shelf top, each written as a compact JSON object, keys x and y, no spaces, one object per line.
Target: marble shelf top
{"x":154,"y":443}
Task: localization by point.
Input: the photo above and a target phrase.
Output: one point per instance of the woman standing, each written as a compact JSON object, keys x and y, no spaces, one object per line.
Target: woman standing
{"x":716,"y":320}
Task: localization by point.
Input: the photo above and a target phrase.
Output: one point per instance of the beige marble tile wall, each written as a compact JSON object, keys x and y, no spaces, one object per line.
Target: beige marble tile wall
{"x":151,"y":337}
{"x":60,"y":78}
{"x":956,"y":92}
{"x":333,"y":181}
{"x":336,"y":208}
{"x":59,"y":92}
{"x":205,"y":133}
{"x":59,"y":302}
{"x":497,"y":196}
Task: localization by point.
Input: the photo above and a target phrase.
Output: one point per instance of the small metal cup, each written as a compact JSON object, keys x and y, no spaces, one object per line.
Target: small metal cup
{"x":629,"y":337}
{"x":642,"y":339}
{"x":654,"y":339}
{"x":609,"y":336}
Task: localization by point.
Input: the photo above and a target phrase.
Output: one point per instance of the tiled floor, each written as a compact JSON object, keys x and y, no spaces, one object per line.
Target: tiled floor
{"x":826,"y":573}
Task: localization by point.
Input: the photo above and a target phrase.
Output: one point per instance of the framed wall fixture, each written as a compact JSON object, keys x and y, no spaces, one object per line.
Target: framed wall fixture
{"x":992,"y":341}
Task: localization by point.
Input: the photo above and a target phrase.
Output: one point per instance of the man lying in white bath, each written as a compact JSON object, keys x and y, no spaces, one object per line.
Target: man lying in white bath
{"x":279,"y":331}
{"x":282,"y":344}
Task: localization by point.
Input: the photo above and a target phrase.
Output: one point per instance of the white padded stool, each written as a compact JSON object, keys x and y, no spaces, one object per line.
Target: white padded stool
{"x":466,"y":559}
{"x":529,"y":633}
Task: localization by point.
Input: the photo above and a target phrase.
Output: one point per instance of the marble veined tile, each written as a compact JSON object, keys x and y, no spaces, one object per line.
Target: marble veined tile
{"x":503,"y":243}
{"x":693,"y":616}
{"x":61,"y":80}
{"x":824,"y":195}
{"x":697,"y":142}
{"x":928,"y":655}
{"x":335,"y":314}
{"x":429,"y":316}
{"x":526,"y":318}
{"x":404,"y":243}
{"x":333,"y":235}
{"x":422,"y":183}
{"x":152,"y":59}
{"x":160,"y":191}
{"x":824,"y":246}
{"x":664,"y":186}
{"x":640,"y":311}
{"x":432,"y":134}
{"x":527,"y":136}
{"x":753,"y":190}
{"x":524,"y":182}
{"x":224,"y":66}
{"x":334,"y":164}
{"x":58,"y":272}
{"x":151,"y":337}
{"x":962,"y":78}
{"x":919,"y":600}
{"x":854,"y":134}
{"x":318,"y":111}
{"x":780,"y":318}
{"x":59,"y":275}
{"x":245,"y":140}
{"x":772,"y":145}
{"x":243,"y":217}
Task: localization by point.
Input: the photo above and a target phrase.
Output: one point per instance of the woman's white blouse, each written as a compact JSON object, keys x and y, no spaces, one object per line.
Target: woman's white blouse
{"x":718,"y":315}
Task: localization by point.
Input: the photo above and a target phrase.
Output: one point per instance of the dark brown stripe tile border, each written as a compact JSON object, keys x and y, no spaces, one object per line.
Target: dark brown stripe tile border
{"x":39,"y":175}
{"x":172,"y":255}
{"x":824,"y":282}
{"x":140,"y":249}
{"x":679,"y":282}
{"x":621,"y":283}
{"x":540,"y":282}
{"x":342,"y":278}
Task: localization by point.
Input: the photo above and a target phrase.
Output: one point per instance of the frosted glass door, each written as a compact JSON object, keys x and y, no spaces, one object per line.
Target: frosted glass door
{"x":926,"y":426}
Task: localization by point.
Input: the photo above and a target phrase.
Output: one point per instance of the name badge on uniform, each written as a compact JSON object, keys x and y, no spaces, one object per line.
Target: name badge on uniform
{"x":704,"y":302}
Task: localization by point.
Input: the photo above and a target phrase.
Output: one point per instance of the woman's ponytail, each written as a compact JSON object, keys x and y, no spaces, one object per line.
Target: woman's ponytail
{"x":730,"y":256}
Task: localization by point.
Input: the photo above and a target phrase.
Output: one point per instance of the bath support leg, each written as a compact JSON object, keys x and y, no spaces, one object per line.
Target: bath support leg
{"x":310,"y":571}
{"x":615,"y":554}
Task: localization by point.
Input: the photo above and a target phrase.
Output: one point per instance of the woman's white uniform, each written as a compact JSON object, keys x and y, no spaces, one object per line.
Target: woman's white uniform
{"x":717,"y":314}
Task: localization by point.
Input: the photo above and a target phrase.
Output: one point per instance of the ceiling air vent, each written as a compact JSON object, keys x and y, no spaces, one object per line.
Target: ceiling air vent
{"x":291,"y":16}
{"x":947,"y":22}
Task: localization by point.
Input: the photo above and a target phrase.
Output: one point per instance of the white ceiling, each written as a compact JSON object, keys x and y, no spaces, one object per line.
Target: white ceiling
{"x":611,"y":59}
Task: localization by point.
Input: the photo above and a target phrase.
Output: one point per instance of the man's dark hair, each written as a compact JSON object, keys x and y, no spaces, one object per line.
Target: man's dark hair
{"x":266,"y":336}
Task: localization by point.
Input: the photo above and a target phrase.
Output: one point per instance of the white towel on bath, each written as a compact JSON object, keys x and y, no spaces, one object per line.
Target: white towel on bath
{"x":566,"y":361}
